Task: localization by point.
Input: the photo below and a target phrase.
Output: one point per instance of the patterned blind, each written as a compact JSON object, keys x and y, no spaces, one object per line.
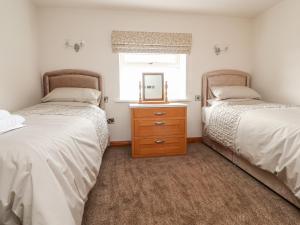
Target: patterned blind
{"x":151,"y":42}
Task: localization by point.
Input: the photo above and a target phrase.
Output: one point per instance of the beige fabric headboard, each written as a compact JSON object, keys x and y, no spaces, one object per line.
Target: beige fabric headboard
{"x":71,"y":78}
{"x":222,"y":78}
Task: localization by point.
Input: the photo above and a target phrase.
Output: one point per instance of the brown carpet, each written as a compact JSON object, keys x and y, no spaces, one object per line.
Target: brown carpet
{"x":200,"y":188}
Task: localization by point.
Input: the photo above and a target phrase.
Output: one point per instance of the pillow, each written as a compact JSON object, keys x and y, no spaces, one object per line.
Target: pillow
{"x":233,"y":92}
{"x":11,"y":122}
{"x":86,"y":95}
{"x":236,"y":101}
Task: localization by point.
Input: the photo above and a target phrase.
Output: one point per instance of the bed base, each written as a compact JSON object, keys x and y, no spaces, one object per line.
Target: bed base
{"x":265,"y":177}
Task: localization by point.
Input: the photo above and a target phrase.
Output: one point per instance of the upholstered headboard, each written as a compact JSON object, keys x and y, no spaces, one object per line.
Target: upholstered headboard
{"x":222,"y":78}
{"x":71,"y":78}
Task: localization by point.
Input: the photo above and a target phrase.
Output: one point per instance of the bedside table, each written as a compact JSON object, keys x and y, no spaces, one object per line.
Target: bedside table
{"x":158,"y":129}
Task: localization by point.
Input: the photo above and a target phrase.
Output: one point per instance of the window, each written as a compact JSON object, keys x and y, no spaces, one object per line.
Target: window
{"x":133,"y":65}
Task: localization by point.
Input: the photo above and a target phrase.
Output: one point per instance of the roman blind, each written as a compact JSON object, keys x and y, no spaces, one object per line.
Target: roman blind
{"x":151,"y":42}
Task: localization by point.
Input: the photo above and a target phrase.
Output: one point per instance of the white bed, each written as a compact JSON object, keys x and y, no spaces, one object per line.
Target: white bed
{"x":262,"y":138}
{"x":48,"y":167}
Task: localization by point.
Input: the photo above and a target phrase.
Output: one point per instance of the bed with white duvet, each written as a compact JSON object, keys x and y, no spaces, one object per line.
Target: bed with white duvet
{"x":48,"y":167}
{"x":49,"y":164}
{"x":267,"y":135}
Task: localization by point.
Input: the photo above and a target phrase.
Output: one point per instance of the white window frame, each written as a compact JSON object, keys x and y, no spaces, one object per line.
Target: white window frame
{"x":121,"y":57}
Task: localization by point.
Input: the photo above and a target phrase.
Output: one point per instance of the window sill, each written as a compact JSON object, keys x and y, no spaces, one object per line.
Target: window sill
{"x":133,"y":101}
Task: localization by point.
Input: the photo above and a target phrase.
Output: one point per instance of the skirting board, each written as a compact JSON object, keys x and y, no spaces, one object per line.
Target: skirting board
{"x":120,"y":143}
{"x":128,"y":143}
{"x":194,"y":139}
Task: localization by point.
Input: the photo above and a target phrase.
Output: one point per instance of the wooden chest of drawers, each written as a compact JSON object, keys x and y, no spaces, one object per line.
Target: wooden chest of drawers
{"x":158,"y":130}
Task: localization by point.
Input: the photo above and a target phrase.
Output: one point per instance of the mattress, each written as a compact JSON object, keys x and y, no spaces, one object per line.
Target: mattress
{"x":266,"y":135}
{"x":48,"y":167}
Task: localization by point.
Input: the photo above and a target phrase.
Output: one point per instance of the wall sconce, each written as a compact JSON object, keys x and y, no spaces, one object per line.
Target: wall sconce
{"x":219,"y":50}
{"x":76,"y":46}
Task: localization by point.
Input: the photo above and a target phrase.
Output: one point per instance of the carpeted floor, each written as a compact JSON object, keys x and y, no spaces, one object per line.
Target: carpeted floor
{"x":200,"y":188}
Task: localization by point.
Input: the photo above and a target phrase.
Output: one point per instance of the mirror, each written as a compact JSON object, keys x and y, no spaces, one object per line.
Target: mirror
{"x":153,"y":87}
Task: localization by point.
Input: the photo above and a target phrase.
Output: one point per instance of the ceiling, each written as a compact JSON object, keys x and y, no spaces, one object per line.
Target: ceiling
{"x":242,"y":8}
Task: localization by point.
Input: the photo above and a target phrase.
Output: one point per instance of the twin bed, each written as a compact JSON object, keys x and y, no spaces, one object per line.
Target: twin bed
{"x":261,"y":138}
{"x":48,"y":167}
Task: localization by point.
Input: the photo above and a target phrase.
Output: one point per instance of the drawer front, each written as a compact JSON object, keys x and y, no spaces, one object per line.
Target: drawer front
{"x":158,"y":146}
{"x":159,"y":112}
{"x":159,"y":127}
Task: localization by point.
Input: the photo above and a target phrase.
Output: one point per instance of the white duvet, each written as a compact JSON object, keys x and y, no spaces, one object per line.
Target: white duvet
{"x":267,"y":135}
{"x":270,"y":139}
{"x":48,"y":167}
{"x":10,"y":122}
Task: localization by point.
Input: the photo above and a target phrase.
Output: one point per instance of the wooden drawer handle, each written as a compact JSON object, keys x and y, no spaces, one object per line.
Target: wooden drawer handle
{"x":159,"y":113}
{"x":159,"y":123}
{"x":159,"y":141}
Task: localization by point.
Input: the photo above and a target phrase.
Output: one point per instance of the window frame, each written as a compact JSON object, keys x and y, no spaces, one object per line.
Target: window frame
{"x":121,"y":60}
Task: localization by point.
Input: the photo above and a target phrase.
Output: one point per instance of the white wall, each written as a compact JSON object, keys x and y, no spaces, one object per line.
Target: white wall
{"x":20,"y":83}
{"x":95,"y":26}
{"x":277,"y":53}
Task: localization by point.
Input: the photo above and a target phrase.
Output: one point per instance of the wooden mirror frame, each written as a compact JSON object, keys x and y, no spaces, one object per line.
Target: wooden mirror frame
{"x":143,"y":98}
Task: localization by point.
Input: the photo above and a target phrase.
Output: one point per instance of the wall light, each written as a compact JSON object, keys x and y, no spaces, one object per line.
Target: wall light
{"x":76,"y":45}
{"x":218,"y":50}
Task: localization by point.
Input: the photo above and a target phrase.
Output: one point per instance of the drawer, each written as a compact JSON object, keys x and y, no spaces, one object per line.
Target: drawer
{"x":157,"y":146}
{"x":163,"y":112}
{"x":159,"y":127}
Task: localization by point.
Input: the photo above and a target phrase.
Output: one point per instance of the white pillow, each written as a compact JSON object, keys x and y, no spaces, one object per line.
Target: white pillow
{"x":236,"y":101}
{"x":233,"y":92}
{"x":86,"y":95}
{"x":10,"y":123}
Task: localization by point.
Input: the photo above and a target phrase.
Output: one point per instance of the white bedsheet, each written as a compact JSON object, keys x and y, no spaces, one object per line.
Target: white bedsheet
{"x":48,"y":167}
{"x":268,"y":135}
